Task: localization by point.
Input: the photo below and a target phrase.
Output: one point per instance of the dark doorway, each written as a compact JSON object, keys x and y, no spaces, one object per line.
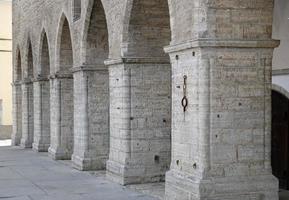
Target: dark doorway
{"x":280,"y":139}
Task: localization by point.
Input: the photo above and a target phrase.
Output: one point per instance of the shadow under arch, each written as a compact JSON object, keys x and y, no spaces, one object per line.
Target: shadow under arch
{"x":62,"y":119}
{"x":64,"y":46}
{"x":280,"y":135}
{"x":92,"y":90}
{"x":17,"y":98}
{"x":28,"y":98}
{"x":44,"y":55}
{"x":41,"y":140}
{"x":143,"y":78}
{"x":18,"y":65}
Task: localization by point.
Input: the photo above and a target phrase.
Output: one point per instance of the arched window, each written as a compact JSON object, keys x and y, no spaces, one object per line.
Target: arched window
{"x":76,"y":10}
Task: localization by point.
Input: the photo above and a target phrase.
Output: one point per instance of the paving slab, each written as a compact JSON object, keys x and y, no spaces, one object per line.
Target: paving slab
{"x":27,"y":175}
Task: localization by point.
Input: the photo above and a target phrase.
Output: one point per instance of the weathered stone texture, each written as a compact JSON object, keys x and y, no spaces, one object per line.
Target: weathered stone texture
{"x":91,"y":127}
{"x":139,"y":122}
{"x":41,"y":115}
{"x":115,"y":96}
{"x":27,"y":115}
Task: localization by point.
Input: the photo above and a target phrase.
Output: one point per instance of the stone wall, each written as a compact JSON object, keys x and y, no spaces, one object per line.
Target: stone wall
{"x":116,"y":98}
{"x":5,"y":132}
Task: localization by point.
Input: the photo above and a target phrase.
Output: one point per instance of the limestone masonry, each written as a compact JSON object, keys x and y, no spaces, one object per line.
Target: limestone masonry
{"x":150,"y":90}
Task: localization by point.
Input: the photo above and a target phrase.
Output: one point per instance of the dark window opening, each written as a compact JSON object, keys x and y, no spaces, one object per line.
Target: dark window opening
{"x":76,"y":10}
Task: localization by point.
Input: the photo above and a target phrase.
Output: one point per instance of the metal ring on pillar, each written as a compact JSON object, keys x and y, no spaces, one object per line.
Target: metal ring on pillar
{"x":185,"y":103}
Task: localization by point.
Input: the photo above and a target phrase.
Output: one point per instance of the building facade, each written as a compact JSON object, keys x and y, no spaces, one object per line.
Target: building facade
{"x":6,"y":61}
{"x":150,"y":90}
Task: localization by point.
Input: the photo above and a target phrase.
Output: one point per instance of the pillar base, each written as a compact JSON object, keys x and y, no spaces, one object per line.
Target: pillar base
{"x":58,"y":154}
{"x":25,"y":144}
{"x":180,"y":186}
{"x":86,"y":164}
{"x":40,"y":147}
{"x":126,"y":175}
{"x":15,"y":142}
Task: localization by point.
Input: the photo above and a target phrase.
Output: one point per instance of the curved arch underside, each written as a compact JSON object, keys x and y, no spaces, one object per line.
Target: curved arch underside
{"x":45,"y":58}
{"x":18,"y":75}
{"x":149,"y":28}
{"x":30,"y":67}
{"x":97,"y":36}
{"x":66,"y":55}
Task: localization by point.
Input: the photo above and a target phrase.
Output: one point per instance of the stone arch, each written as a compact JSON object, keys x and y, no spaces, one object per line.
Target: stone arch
{"x":62,"y":95}
{"x":280,"y":135}
{"x":92,"y":93}
{"x":64,"y":46}
{"x":28,"y":98}
{"x":281,"y":90}
{"x":18,"y":66}
{"x":146,"y":28}
{"x":95,"y":44}
{"x":17,"y":99}
{"x":29,"y":61}
{"x":146,"y":31}
{"x":41,"y":141}
{"x":44,"y":56}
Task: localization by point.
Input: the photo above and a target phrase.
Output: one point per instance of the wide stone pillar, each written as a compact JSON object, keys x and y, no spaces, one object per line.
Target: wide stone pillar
{"x":17,"y":113}
{"x":41,"y":115}
{"x":91,"y":117}
{"x":221,"y":142}
{"x":61,"y":116}
{"x":140,"y":113}
{"x":27,"y":114}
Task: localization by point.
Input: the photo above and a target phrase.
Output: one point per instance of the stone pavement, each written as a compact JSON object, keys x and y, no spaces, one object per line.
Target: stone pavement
{"x":26,"y":175}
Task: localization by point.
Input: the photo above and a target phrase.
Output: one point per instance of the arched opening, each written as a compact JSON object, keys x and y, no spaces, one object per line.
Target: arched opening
{"x":62,"y":117}
{"x":145,"y":81}
{"x":17,"y":98}
{"x":44,"y":58}
{"x":92,"y":93}
{"x":42,"y":101}
{"x":18,"y":74}
{"x":148,"y":29}
{"x":30,"y":67}
{"x":66,"y":56}
{"x":28,"y":101}
{"x":30,"y":96}
{"x":96,"y":43}
{"x":280,"y":138}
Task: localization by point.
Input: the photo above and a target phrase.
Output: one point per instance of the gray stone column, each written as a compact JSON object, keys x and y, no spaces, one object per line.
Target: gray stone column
{"x":91,"y":110}
{"x":221,"y":143}
{"x":27,"y":114}
{"x":61,"y":118}
{"x":140,"y":115}
{"x":41,"y":115}
{"x":17,"y":113}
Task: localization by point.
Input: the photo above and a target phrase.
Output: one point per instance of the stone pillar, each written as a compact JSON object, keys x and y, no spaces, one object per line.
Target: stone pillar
{"x":91,"y":109}
{"x":140,"y":113}
{"x":221,"y":144}
{"x":41,"y":115}
{"x":27,"y":114}
{"x":61,"y":118}
{"x":17,"y":113}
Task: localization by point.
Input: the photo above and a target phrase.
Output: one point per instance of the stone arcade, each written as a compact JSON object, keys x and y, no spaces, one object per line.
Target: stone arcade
{"x":101,"y":82}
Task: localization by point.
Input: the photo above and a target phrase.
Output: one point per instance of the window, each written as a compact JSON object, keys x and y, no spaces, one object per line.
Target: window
{"x":76,"y":9}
